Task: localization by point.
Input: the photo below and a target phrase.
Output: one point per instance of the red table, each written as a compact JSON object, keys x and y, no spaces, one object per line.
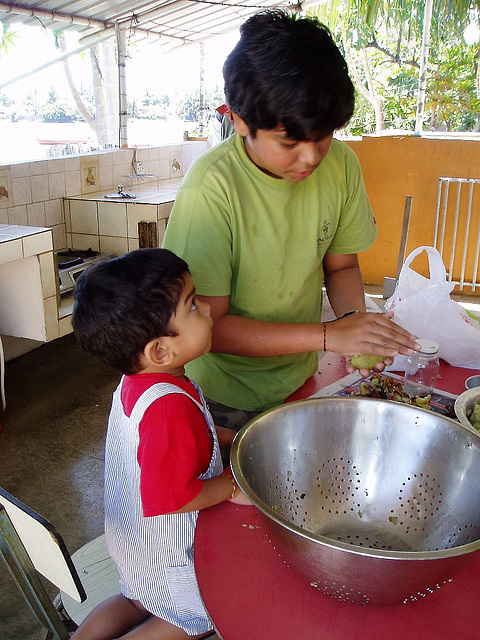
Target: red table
{"x":251,"y":594}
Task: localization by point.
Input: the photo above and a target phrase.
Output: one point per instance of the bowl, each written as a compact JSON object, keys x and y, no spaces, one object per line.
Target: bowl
{"x":463,"y":404}
{"x":472,"y":382}
{"x":369,"y":501}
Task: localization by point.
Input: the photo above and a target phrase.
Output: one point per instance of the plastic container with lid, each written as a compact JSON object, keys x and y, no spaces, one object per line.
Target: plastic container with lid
{"x":421,"y":370}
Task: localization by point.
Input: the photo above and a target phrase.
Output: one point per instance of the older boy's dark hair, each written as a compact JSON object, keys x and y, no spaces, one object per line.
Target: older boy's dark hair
{"x":288,"y":71}
{"x":123,"y":303}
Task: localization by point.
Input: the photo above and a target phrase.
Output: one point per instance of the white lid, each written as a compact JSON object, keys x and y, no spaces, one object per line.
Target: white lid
{"x":427,"y":345}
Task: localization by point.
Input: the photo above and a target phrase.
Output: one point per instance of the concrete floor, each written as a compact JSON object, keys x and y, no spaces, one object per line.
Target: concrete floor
{"x":52,"y":454}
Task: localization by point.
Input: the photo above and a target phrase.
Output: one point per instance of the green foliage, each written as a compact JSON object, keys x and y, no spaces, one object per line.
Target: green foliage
{"x":391,"y":34}
{"x":58,"y":109}
{"x":7,"y":38}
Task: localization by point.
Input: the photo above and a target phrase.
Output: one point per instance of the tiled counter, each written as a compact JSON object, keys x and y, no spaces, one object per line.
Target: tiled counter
{"x":28,"y":291}
{"x":107,"y":224}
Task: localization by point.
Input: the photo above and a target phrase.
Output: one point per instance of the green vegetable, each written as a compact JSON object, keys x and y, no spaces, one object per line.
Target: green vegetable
{"x":474,"y":415}
{"x":365,"y":362}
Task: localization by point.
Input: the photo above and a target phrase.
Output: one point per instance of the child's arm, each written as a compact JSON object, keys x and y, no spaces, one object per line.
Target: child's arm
{"x":216,"y":490}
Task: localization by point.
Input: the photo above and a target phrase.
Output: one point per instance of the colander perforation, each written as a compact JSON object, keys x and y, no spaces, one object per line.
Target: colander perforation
{"x":342,"y":496}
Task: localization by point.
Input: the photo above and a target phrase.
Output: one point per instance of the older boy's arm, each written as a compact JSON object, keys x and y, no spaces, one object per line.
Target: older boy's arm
{"x":372,"y":333}
{"x":344,"y":283}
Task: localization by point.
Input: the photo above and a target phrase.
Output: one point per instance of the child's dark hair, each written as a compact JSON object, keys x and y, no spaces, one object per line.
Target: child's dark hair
{"x":288,"y":71}
{"x":123,"y":303}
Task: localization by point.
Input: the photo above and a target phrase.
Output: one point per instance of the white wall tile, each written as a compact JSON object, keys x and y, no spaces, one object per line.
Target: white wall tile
{"x":115,"y":245}
{"x":56,"y":185}
{"x":36,"y":214}
{"x":21,"y":170}
{"x":118,"y":176}
{"x":105,"y":159}
{"x":39,"y":188}
{"x":153,"y":153}
{"x":84,"y":217}
{"x":165,"y":209}
{"x":139,"y":213}
{"x":37,"y":243}
{"x":187,"y":162}
{"x":18,"y":215}
{"x":66,"y":215}
{"x":56,"y":166}
{"x":51,"y":317}
{"x":47,"y":275}
{"x":72,"y":183}
{"x":106,"y":177}
{"x":64,"y":326}
{"x":72,"y":164}
{"x":162,"y":226}
{"x":132,"y":244}
{"x":112,"y":219}
{"x":59,"y":237}
{"x":38,"y":168}
{"x":163,"y":169}
{"x":22,"y":191}
{"x":54,"y":212}
{"x":12,"y":250}
{"x":82,"y":241}
{"x":142,"y":155}
{"x":4,"y":216}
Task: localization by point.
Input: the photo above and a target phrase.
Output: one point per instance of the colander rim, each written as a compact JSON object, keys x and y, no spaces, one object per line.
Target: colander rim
{"x":436,"y":554}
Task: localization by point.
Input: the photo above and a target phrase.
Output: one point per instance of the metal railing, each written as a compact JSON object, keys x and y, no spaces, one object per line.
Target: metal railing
{"x":457,"y":230}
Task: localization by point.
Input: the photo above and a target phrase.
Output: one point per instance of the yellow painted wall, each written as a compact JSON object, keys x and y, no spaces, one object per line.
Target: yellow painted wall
{"x":396,"y":166}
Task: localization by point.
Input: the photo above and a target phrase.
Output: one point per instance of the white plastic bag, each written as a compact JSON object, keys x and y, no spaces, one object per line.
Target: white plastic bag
{"x":423,"y":306}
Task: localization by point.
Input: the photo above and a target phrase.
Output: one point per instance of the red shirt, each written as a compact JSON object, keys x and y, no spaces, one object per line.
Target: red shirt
{"x":175,"y":446}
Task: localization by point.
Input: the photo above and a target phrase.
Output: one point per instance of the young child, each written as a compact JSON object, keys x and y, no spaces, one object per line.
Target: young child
{"x":280,"y":210}
{"x":139,"y":314}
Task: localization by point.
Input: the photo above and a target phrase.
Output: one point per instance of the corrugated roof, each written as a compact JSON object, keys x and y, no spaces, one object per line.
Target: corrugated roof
{"x":172,"y":22}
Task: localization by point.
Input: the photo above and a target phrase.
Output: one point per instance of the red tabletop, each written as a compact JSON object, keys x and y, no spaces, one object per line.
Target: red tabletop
{"x":251,"y":594}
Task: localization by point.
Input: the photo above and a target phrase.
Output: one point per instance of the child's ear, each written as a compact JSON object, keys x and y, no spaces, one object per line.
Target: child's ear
{"x":158,"y":352}
{"x":240,"y":125}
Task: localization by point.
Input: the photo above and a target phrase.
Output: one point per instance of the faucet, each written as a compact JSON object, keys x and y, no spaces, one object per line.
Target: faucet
{"x":124,"y":194}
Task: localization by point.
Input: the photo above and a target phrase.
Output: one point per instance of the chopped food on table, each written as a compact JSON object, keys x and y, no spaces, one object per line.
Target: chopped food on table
{"x":474,"y":415}
{"x":381,"y":386}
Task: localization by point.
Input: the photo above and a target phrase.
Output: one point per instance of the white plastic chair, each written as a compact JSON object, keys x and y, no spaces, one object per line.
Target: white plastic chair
{"x":30,"y":546}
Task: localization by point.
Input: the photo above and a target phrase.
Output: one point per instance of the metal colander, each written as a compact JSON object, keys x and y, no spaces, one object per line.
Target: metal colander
{"x":370,"y":501}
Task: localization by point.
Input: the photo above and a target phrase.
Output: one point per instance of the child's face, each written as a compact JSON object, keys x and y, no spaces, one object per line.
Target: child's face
{"x":281,"y":157}
{"x":192,"y":324}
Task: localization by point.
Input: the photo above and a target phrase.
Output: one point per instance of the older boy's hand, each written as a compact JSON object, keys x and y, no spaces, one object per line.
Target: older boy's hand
{"x":369,"y":334}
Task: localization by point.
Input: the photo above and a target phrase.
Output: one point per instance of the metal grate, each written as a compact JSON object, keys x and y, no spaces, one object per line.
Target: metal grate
{"x":457,"y":229}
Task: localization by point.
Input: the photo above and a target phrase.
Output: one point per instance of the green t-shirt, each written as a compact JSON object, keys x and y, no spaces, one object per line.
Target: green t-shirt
{"x":261,"y":241}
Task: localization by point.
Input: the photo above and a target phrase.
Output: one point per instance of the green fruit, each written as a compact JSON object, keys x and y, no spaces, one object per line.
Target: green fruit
{"x":365,"y":362}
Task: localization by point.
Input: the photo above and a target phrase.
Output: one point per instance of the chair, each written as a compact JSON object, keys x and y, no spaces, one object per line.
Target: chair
{"x":31,"y":546}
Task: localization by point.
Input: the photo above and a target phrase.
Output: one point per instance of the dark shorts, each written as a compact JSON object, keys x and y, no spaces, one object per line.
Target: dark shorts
{"x":229,"y":417}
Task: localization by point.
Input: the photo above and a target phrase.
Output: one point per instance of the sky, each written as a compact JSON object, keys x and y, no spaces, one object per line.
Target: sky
{"x":148,"y":67}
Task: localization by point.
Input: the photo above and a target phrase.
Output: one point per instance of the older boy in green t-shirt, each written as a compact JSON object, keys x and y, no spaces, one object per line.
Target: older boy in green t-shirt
{"x":275,"y":211}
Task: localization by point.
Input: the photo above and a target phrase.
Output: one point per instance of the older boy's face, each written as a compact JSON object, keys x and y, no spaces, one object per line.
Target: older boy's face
{"x":281,"y":157}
